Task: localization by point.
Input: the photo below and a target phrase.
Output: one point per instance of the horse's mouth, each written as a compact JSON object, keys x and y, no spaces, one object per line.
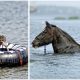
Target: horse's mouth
{"x":35,"y":45}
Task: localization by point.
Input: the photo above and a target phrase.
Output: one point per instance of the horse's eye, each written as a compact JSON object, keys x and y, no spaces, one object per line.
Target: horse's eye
{"x":37,"y":38}
{"x":45,"y":31}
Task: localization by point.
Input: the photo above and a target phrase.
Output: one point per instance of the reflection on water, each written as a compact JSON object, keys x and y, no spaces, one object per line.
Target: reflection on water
{"x":13,"y":24}
{"x":51,"y":65}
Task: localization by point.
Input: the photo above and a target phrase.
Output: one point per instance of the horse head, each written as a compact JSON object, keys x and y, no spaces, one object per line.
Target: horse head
{"x":46,"y":36}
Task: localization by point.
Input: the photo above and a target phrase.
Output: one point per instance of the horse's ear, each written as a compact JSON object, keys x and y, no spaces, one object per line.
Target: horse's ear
{"x":47,"y":23}
{"x":48,"y":27}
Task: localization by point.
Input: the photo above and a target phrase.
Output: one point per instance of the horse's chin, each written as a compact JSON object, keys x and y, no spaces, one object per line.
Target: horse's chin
{"x":35,"y":46}
{"x":39,"y":45}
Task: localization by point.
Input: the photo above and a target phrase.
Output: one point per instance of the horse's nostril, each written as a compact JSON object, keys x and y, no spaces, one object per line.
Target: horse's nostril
{"x":32,"y":43}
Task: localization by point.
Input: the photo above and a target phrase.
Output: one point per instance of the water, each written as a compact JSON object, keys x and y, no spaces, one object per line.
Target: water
{"x":53,"y":66}
{"x":13,"y":24}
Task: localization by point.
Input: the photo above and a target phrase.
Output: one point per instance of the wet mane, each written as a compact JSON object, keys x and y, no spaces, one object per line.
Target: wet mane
{"x":66,"y":35}
{"x":53,"y":25}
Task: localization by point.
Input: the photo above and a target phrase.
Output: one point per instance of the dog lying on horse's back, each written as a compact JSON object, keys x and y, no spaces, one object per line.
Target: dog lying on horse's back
{"x":61,"y":41}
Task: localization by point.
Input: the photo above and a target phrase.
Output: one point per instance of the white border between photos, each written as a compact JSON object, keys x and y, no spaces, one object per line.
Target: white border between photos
{"x":28,"y":40}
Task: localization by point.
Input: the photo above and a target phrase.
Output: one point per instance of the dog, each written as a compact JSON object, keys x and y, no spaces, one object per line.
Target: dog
{"x":3,"y":42}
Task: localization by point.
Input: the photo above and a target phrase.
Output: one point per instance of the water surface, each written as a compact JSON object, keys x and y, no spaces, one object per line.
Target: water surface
{"x":13,"y":24}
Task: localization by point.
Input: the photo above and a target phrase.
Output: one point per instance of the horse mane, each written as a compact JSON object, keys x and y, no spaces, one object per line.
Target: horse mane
{"x":53,"y":25}
{"x":66,"y":35}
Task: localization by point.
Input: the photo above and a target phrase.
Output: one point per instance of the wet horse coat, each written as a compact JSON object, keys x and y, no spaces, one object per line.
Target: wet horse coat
{"x":61,"y":41}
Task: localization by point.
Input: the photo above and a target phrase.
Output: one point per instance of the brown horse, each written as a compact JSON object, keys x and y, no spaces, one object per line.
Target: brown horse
{"x":61,"y":41}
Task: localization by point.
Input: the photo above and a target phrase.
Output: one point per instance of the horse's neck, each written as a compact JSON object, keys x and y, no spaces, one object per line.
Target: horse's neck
{"x":64,"y":40}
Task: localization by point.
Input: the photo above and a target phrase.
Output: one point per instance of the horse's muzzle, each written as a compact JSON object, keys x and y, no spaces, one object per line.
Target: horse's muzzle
{"x":35,"y":45}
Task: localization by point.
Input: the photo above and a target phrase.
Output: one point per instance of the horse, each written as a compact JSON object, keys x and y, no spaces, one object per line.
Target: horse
{"x":61,"y":41}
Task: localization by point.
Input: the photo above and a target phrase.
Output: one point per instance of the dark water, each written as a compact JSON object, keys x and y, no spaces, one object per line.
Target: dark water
{"x":54,"y":66}
{"x":13,"y":24}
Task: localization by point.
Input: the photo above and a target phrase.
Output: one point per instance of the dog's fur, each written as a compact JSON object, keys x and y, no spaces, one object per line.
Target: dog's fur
{"x":2,"y":40}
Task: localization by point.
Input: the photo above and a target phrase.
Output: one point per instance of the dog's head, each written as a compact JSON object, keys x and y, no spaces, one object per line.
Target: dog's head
{"x":2,"y":39}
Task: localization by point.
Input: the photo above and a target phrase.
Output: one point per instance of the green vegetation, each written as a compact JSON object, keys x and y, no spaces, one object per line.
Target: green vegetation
{"x":73,"y":17}
{"x":59,"y":18}
{"x":69,"y":18}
